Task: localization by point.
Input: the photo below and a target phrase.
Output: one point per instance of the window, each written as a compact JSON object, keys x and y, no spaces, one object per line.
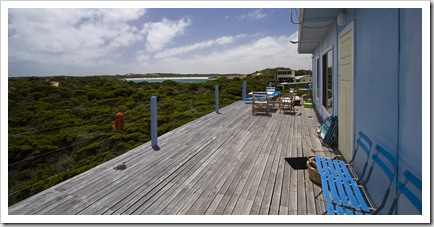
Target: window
{"x":327,"y":81}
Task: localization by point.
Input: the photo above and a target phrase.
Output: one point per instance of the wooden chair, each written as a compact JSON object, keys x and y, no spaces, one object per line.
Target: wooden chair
{"x":260,"y":103}
{"x":274,"y":98}
{"x":270,"y":89}
{"x":286,"y":103}
{"x":272,"y":95}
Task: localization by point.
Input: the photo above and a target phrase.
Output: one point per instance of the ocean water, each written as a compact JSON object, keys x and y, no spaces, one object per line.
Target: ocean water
{"x":180,"y":80}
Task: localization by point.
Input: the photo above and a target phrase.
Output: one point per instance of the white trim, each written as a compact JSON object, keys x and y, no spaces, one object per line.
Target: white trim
{"x":334,"y":66}
{"x":324,"y":112}
{"x":350,"y":27}
{"x":327,"y":50}
{"x":317,"y":76}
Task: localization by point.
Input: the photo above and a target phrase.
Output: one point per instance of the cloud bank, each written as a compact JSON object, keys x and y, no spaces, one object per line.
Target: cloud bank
{"x":119,"y":41}
{"x":265,"y":52}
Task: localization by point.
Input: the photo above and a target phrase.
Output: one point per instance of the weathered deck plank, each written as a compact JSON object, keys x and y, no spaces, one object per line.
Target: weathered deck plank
{"x":228,"y":163}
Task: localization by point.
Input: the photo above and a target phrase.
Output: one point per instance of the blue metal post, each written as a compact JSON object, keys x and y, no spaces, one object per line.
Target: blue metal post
{"x":244,"y":90}
{"x":154,"y":133}
{"x":270,"y":84}
{"x":216,"y":88}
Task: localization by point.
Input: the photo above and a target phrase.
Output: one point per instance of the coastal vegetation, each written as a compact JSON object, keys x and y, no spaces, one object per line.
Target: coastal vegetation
{"x":61,"y":126}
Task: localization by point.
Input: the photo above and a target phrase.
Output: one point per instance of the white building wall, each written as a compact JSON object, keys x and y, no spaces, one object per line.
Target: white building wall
{"x":387,"y":89}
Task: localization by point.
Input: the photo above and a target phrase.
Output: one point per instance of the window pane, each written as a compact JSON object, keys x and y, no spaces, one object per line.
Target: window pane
{"x":327,"y":81}
{"x":317,"y":78}
{"x":330,"y":82}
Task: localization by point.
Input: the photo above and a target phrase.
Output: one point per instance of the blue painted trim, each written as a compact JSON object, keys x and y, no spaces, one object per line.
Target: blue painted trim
{"x":154,"y":126}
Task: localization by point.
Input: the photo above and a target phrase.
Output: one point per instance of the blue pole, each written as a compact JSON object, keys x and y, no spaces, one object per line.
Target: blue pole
{"x":269,"y":85}
{"x":244,"y":90}
{"x":216,"y":88}
{"x":154,"y":132}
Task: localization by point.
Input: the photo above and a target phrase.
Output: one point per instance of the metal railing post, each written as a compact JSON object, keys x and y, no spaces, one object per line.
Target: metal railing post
{"x":244,"y":90}
{"x":154,"y":132}
{"x":216,"y":89}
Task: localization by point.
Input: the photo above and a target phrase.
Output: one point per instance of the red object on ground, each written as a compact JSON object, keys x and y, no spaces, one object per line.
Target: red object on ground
{"x":119,"y":123}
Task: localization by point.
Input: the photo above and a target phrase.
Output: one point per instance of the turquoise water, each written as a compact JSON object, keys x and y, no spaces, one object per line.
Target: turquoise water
{"x":187,"y":80}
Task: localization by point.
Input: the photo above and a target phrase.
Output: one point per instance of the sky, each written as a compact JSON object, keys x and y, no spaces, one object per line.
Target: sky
{"x":108,"y":41}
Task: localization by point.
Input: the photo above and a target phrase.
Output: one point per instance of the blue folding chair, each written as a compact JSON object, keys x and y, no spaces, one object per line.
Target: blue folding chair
{"x":322,"y":131}
{"x":327,"y":130}
{"x":343,"y":195}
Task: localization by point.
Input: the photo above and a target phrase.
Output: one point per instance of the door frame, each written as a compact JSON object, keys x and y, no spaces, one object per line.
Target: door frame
{"x":349,"y":27}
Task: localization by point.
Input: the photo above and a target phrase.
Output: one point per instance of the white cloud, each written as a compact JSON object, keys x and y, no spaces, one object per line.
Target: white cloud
{"x":142,"y":58}
{"x":197,"y":46}
{"x":261,"y":53}
{"x":161,"y":33}
{"x":120,"y":15}
{"x":110,"y":41}
{"x":70,"y":36}
{"x":225,"y":40}
{"x":253,"y":15}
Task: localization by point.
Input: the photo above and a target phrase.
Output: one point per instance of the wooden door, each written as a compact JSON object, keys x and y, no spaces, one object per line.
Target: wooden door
{"x":345,"y":97}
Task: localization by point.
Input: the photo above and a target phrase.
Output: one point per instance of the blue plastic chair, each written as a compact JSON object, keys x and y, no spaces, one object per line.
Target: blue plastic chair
{"x":342,"y":192}
{"x":327,"y":130}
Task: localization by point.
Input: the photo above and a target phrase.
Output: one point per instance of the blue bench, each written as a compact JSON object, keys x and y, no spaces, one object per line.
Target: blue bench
{"x":249,"y":99}
{"x":343,"y":194}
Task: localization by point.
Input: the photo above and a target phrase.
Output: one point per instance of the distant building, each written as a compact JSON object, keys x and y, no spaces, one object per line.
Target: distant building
{"x":303,"y":78}
{"x":285,"y":75}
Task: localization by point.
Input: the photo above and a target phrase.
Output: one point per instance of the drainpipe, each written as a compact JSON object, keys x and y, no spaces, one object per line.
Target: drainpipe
{"x":399,"y":98}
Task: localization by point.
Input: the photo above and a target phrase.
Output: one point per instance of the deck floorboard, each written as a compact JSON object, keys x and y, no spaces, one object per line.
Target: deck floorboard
{"x":232,"y":163}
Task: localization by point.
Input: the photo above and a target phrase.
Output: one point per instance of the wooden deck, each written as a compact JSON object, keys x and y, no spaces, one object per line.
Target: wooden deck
{"x":221,"y":164}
